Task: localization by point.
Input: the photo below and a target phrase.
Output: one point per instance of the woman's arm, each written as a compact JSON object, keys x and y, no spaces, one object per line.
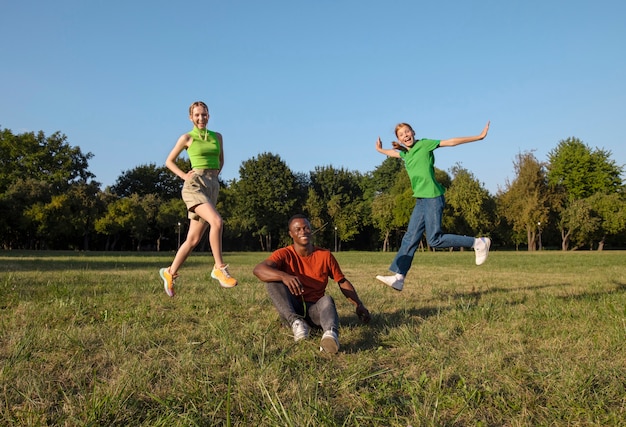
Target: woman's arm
{"x":220,"y":141}
{"x":170,"y":162}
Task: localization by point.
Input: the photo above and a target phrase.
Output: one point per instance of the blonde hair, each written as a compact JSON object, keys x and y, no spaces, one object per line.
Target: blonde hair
{"x":198,"y":104}
{"x":401,"y":125}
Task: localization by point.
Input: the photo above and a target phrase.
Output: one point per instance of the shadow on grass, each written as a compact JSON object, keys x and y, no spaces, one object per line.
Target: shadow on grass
{"x":59,"y":261}
{"x":367,"y":337}
{"x":596,"y":295}
{"x":477,"y":295}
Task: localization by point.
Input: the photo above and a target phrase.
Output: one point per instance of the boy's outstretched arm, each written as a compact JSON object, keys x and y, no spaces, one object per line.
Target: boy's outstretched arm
{"x":464,"y":139}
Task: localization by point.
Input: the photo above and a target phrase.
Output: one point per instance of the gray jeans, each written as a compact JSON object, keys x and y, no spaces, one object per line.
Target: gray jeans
{"x":322,"y":314}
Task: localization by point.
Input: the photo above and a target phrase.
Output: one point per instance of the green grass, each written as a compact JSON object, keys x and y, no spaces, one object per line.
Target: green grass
{"x":526,"y":339}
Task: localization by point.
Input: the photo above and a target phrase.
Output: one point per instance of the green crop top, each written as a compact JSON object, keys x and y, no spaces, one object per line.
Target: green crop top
{"x":204,"y":150}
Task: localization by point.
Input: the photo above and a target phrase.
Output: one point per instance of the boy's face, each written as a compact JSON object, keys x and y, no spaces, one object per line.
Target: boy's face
{"x":199,"y":117}
{"x":406,"y":136}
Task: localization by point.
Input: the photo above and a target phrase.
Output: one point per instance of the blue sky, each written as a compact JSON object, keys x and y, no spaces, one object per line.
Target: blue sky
{"x":316,"y":82}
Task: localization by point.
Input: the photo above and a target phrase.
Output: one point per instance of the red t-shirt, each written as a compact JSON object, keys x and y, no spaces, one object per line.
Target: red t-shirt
{"x":312,"y":270}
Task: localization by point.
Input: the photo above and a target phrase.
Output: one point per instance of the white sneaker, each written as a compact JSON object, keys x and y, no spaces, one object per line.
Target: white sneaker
{"x":329,"y":342}
{"x":392,"y":281}
{"x":481,"y":248}
{"x":300,"y":329}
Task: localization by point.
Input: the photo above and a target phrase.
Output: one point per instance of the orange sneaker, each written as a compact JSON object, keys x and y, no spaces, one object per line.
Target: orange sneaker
{"x":168,"y":281}
{"x":223,"y":276}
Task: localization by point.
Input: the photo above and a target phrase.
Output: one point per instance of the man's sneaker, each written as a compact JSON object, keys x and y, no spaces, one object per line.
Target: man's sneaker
{"x":329,"y":342}
{"x":168,"y":281}
{"x":300,"y":329}
{"x":392,"y":281}
{"x":481,"y":248}
{"x":223,"y":276}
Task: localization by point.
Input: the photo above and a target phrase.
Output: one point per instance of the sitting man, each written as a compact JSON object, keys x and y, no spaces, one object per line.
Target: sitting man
{"x":296,"y":278}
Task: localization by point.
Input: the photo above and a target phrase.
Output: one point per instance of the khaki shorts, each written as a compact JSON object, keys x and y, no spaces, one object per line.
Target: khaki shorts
{"x":203,"y":187}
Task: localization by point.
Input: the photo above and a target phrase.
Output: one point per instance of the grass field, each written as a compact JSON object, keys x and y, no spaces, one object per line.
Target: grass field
{"x":91,"y":339}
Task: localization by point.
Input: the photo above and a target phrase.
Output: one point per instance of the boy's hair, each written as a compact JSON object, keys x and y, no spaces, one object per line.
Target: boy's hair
{"x":401,"y":125}
{"x":197,"y":104}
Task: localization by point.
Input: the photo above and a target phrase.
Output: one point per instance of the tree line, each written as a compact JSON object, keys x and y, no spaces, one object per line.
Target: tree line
{"x":50,"y":200}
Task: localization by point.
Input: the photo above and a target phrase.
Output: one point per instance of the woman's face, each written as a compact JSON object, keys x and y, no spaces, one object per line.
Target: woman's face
{"x":405,"y":136}
{"x":199,"y":117}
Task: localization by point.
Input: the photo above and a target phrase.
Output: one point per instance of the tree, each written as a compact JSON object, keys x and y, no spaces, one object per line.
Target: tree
{"x":382,"y":216}
{"x":125,"y":216}
{"x":470,"y":203}
{"x":315,"y":209}
{"x":579,"y":223}
{"x":610,"y":209}
{"x":67,"y":220}
{"x":264,"y":198}
{"x":339,"y":195}
{"x":348,"y":217}
{"x":19,"y":196}
{"x":51,"y":221}
{"x":170,"y":216}
{"x":41,"y":179}
{"x":577,"y":173}
{"x":581,"y":171}
{"x":385,"y":175}
{"x":49,"y":159}
{"x":150,"y":179}
{"x":526,"y":201}
{"x":88,"y":204}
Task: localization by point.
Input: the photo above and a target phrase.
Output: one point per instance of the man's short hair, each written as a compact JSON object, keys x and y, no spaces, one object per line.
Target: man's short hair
{"x":295,"y":217}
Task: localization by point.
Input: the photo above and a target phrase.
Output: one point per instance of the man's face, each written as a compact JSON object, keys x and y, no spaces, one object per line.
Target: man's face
{"x":300,"y":231}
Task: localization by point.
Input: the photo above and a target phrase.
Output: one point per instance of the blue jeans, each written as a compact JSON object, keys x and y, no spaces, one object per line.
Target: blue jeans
{"x":426,"y":217}
{"x":322,"y":313}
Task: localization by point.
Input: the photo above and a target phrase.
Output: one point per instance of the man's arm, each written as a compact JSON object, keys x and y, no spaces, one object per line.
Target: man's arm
{"x":350,"y":293}
{"x":267,"y":271}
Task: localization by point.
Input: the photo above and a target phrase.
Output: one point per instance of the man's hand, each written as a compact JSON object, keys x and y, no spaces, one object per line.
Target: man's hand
{"x":294,"y":285}
{"x":363,"y":314}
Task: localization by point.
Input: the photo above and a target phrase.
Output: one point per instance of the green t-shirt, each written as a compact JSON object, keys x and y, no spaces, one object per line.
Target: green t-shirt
{"x":204,"y":150}
{"x":419,"y":162}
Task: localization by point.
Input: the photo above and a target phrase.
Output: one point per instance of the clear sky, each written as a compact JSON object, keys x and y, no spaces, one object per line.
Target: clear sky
{"x":316,"y":81}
